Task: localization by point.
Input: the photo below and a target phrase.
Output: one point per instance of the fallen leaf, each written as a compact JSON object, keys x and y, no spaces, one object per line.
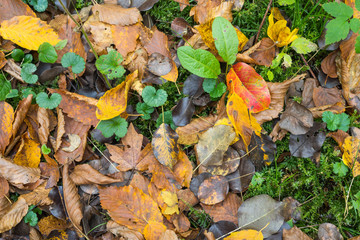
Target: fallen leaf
{"x":265,"y":53}
{"x":20,"y":113}
{"x":6,"y":125}
{"x":183,"y":112}
{"x":246,"y":235}
{"x":11,"y":8}
{"x":260,"y":211}
{"x":28,"y":32}
{"x":159,"y":64}
{"x":114,"y":101}
{"x":328,"y":64}
{"x":230,"y":164}
{"x":60,"y":131}
{"x":205,"y":10}
{"x":39,"y":196}
{"x":14,"y":215}
{"x":29,"y":153}
{"x":130,"y":207}
{"x":222,"y":228}
{"x":225,"y":210}
{"x":183,"y":169}
{"x":296,"y":119}
{"x":85,"y":174}
{"x":295,"y":233}
{"x":49,"y":223}
{"x":77,"y":106}
{"x":165,"y":145}
{"x":99,"y":33}
{"x":329,"y":96}
{"x":153,"y":230}
{"x":171,"y":200}
{"x":116,"y":15}
{"x":350,"y":157}
{"x":262,"y":150}
{"x":122,"y":231}
{"x":50,"y":169}
{"x":44,"y":128}
{"x":213,"y":190}
{"x":243,"y":80}
{"x":16,"y":174}
{"x":75,"y":142}
{"x":4,"y":187}
{"x":125,"y":38}
{"x":3,"y":60}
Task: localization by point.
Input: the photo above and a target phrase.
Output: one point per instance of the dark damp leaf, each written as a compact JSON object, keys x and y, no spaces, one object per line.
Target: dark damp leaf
{"x":183,"y":112}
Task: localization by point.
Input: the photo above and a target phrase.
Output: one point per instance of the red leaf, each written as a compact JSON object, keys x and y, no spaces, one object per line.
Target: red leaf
{"x":250,"y":86}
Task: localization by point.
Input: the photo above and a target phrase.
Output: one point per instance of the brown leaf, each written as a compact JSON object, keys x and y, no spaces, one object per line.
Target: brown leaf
{"x":85,"y":174}
{"x":186,"y":198}
{"x":183,"y":169}
{"x":182,"y":3}
{"x":153,"y":230}
{"x":49,"y":223}
{"x":3,"y":60}
{"x":29,"y":153}
{"x":14,"y":215}
{"x":50,"y":169}
{"x":225,"y":210}
{"x":11,"y":8}
{"x":129,"y":206}
{"x":72,"y":199}
{"x":328,"y":64}
{"x":329,"y":96}
{"x":122,"y":231}
{"x":265,"y":53}
{"x":181,"y":222}
{"x":116,"y":15}
{"x":4,"y":187}
{"x":4,"y":205}
{"x":307,"y":94}
{"x":72,"y":127}
{"x":60,"y":131}
{"x":231,"y":162}
{"x":213,"y":190}
{"x":165,"y":145}
{"x":205,"y":10}
{"x":277,"y":92}
{"x":125,"y":38}
{"x":16,"y":174}
{"x":137,"y":60}
{"x":339,"y":136}
{"x":39,"y":196}
{"x":99,"y":34}
{"x":295,"y":233}
{"x":44,"y":121}
{"x":190,"y":134}
{"x":6,"y":125}
{"x":77,"y":106}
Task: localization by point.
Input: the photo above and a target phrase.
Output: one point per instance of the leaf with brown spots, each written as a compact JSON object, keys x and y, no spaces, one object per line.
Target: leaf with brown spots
{"x":246,"y":235}
{"x":125,"y":38}
{"x":6,"y":125}
{"x":231,"y":162}
{"x":114,"y":101}
{"x":29,"y":153}
{"x":16,"y":174}
{"x":205,"y":10}
{"x":116,"y":15}
{"x":213,"y":190}
{"x":50,"y":169}
{"x":77,"y":106}
{"x":165,"y":145}
{"x":265,"y":53}
{"x":130,"y":207}
{"x":11,"y":8}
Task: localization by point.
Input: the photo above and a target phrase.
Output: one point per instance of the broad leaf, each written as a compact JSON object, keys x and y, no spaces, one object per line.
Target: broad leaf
{"x":336,"y":121}
{"x":153,"y":97}
{"x":303,"y":46}
{"x":351,"y":156}
{"x":145,"y":110}
{"x":47,"y":53}
{"x":226,"y":40}
{"x":116,"y":125}
{"x":17,"y":54}
{"x":243,"y":80}
{"x":338,"y":9}
{"x":27,"y":75}
{"x":5,"y":88}
{"x":28,"y":32}
{"x":29,"y":153}
{"x":44,"y":101}
{"x":6,"y":125}
{"x":337,"y":29}
{"x":39,"y":5}
{"x":110,"y":64}
{"x":74,"y":61}
{"x":199,"y":62}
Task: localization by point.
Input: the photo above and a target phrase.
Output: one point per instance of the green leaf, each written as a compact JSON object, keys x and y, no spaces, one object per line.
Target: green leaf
{"x":270,"y":75}
{"x":45,"y":150}
{"x":17,"y":54}
{"x":26,"y":92}
{"x":218,"y":91}
{"x":31,"y":218}
{"x":276,"y":62}
{"x":13,"y":93}
{"x":110,"y":64}
{"x":167,"y":119}
{"x":47,"y":53}
{"x":146,"y":110}
{"x":340,"y":169}
{"x":28,"y":58}
{"x":285,"y":2}
{"x":199,"y":62}
{"x":355,"y":25}
{"x":357,"y":44}
{"x":225,"y":38}
{"x":287,"y":60}
{"x":209,"y":84}
{"x":74,"y":61}
{"x":337,"y":29}
{"x":44,"y":101}
{"x":303,"y":46}
{"x":336,"y":121}
{"x":39,"y":5}
{"x":116,"y":125}
{"x":61,"y":44}
{"x":27,"y":75}
{"x":357,"y":4}
{"x":338,"y":9}
{"x":5,"y":87}
{"x":154,"y":98}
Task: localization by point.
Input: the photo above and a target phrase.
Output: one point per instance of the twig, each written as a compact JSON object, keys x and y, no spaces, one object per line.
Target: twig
{"x":263,"y":21}
{"x":307,"y":64}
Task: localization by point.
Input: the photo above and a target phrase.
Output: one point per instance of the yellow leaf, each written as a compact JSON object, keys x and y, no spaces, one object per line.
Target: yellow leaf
{"x":114,"y":101}
{"x":245,"y":235}
{"x":28,"y":32}
{"x":242,"y":120}
{"x":278,"y":31}
{"x":6,"y":123}
{"x":351,"y":156}
{"x":29,"y":153}
{"x":171,"y":201}
{"x":153,"y":230}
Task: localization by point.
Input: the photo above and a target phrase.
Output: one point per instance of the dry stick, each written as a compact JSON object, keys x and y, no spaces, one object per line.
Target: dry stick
{"x":307,"y":64}
{"x":263,"y":21}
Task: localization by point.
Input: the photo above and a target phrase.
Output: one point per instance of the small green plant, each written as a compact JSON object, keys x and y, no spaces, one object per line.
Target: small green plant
{"x":27,"y":75}
{"x":153,"y":97}
{"x":145,"y":110}
{"x":116,"y":125}
{"x":110,"y":64}
{"x":47,"y":53}
{"x":45,"y":150}
{"x":340,"y":169}
{"x":336,"y":121}
{"x":44,"y":101}
{"x":76,"y":62}
{"x":38,"y":5}
{"x":199,"y":218}
{"x":339,"y":27}
{"x":32,"y":216}
{"x":213,"y":87}
{"x":17,"y":54}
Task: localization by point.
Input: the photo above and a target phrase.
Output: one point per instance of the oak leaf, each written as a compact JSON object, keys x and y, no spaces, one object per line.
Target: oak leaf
{"x":28,"y":32}
{"x":6,"y":125}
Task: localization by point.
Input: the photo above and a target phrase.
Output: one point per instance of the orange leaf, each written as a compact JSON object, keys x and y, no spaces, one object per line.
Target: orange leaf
{"x":2,"y":59}
{"x":125,"y":38}
{"x":29,"y":153}
{"x":245,"y":235}
{"x":116,"y":15}
{"x":242,"y":120}
{"x":154,"y":230}
{"x":183,"y":169}
{"x":114,"y":101}
{"x":6,"y":124}
{"x":129,"y":206}
{"x":11,"y":8}
{"x":86,"y":174}
{"x":28,"y":32}
{"x":20,"y":113}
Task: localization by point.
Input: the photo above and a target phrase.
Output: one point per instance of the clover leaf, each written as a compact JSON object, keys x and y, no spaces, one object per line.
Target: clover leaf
{"x":336,"y":121}
{"x":47,"y":53}
{"x":27,"y":75}
{"x":74,"y":61}
{"x":26,"y":92}
{"x":45,"y":150}
{"x":44,"y":101}
{"x":116,"y":125}
{"x":154,"y":98}
{"x":145,"y":110}
{"x":340,"y":169}
{"x":110,"y":64}
{"x":5,"y":87}
{"x":13,"y":93}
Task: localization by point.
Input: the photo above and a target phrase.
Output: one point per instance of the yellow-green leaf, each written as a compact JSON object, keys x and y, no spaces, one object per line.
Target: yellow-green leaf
{"x":351,"y":156}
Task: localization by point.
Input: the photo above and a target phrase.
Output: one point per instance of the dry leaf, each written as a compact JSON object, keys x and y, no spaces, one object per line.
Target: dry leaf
{"x":116,"y":15}
{"x":183,"y":169}
{"x":265,"y":53}
{"x":245,"y":235}
{"x":4,"y":187}
{"x":114,"y":101}
{"x":60,"y":131}
{"x":171,"y":200}
{"x":72,"y":199}
{"x":29,"y":153}
{"x":125,"y":38}
{"x":205,"y":10}
{"x":122,"y":231}
{"x":351,"y":156}
{"x":85,"y":174}
{"x":6,"y":125}
{"x":75,"y":142}
{"x":50,"y":169}
{"x":99,"y":34}
{"x":14,"y":215}
{"x":77,"y":106}
{"x":44,"y":128}
{"x":328,"y":64}
{"x":153,"y":230}
{"x":20,"y":113}
{"x":213,"y":190}
{"x":3,"y":60}
{"x":295,"y":233}
{"x":16,"y":174}
{"x":39,"y":196}
{"x":49,"y":223}
{"x":329,"y":96}
{"x":28,"y":32}
{"x":129,"y":206}
{"x":11,"y":8}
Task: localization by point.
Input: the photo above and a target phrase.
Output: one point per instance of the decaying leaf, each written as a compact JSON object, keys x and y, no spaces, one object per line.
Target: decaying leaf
{"x":213,"y":190}
{"x":11,"y":8}
{"x":6,"y":125}
{"x":85,"y":174}
{"x":116,"y":15}
{"x":75,"y":142}
{"x":205,"y":10}
{"x":265,"y":53}
{"x":154,"y":230}
{"x":183,"y":169}
{"x":230,"y":164}
{"x":49,"y":223}
{"x":29,"y":153}
{"x":16,"y":174}
{"x":351,"y":156}
{"x":329,"y":231}
{"x":14,"y":215}
{"x":246,"y":235}
{"x":20,"y":113}
{"x":295,"y":233}
{"x":125,"y":38}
